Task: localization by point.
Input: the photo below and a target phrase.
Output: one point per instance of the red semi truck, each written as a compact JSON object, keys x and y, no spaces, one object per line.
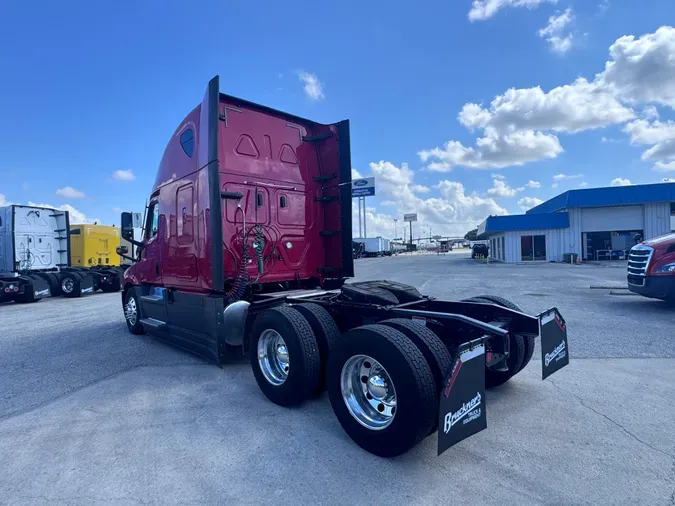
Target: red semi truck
{"x":651,"y":268}
{"x":246,"y":249}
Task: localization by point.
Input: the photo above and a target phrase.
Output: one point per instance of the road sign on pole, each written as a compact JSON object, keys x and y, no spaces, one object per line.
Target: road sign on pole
{"x":410,"y":217}
{"x":364,"y":187}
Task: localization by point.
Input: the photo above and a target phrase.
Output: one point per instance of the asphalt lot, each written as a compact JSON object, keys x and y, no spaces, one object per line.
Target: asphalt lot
{"x":91,"y":414}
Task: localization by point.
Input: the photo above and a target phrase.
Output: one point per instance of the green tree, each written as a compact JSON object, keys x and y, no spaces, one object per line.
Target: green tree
{"x":471,"y":235}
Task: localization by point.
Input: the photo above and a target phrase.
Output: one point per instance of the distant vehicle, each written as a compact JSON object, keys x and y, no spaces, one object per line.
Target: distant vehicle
{"x":480,"y":250}
{"x":651,"y":268}
{"x":34,"y":255}
{"x":374,"y":246}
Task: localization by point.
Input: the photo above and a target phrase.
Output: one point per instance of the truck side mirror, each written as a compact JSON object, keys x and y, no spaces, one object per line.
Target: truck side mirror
{"x":127,"y":226}
{"x":122,"y":250}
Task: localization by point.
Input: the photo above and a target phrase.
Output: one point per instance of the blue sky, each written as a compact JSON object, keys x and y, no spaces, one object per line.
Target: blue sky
{"x":91,"y":92}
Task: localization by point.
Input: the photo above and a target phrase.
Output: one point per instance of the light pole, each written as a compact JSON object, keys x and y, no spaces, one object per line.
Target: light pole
{"x":395,"y":220}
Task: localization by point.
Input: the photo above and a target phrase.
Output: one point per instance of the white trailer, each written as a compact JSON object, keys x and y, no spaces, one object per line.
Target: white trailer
{"x":34,"y":252}
{"x":373,"y":246}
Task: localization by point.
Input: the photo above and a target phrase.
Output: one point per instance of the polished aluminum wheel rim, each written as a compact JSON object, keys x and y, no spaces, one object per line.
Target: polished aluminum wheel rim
{"x":273,"y":357}
{"x":130,"y":311}
{"x":368,"y":392}
{"x":67,"y":285}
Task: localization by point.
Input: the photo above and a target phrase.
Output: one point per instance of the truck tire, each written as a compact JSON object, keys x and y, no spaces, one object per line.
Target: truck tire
{"x":69,"y":284}
{"x":381,"y":390}
{"x":326,"y":333}
{"x":132,"y":312}
{"x":435,"y":352}
{"x":284,"y":356}
{"x":514,"y":361}
{"x":529,"y":340}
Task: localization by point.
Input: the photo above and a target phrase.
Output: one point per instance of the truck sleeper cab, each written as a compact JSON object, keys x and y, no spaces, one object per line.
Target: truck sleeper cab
{"x":246,"y":248}
{"x":34,"y":255}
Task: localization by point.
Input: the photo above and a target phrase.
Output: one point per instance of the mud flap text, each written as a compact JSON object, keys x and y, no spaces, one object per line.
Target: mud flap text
{"x":462,"y":403}
{"x":554,"y":348}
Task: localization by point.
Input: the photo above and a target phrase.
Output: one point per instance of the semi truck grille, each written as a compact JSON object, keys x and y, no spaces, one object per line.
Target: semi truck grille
{"x":638,"y":261}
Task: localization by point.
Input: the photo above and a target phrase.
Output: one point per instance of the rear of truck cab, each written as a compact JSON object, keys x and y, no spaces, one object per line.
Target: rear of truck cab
{"x":247,"y":244}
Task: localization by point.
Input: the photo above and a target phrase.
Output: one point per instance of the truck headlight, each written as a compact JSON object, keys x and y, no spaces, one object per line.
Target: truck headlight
{"x":666,"y":268}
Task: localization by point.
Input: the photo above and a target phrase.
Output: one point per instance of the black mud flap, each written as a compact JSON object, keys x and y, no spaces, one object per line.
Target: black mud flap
{"x":554,"y":350}
{"x":461,"y":410}
{"x":39,"y":287}
{"x":87,"y":283}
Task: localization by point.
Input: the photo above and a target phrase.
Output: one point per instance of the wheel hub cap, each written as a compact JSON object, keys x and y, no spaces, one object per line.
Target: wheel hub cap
{"x":130,"y":311}
{"x":368,"y":392}
{"x":67,"y":285}
{"x":273,"y":357}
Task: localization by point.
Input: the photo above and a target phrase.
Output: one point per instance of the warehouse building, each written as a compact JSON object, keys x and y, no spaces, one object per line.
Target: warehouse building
{"x":589,"y":224}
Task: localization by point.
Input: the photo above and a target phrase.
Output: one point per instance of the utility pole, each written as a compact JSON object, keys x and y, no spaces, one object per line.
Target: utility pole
{"x":395,"y":220}
{"x":358,"y":201}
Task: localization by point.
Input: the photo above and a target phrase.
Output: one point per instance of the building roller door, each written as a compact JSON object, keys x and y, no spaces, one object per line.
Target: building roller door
{"x":606,"y":219}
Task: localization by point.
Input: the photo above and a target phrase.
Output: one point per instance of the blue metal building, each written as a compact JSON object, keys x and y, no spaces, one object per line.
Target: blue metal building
{"x":589,"y":224}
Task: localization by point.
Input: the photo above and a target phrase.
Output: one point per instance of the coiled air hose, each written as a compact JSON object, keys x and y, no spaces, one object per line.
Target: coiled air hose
{"x":238,"y":288}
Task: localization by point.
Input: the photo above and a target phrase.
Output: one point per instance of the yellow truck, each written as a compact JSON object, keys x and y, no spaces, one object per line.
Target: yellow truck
{"x":93,"y":247}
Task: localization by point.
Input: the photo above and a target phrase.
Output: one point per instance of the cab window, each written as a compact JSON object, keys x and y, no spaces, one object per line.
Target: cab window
{"x":153,"y":220}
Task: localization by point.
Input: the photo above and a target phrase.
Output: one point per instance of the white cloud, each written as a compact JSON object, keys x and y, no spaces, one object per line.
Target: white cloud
{"x":583,"y":184}
{"x":574,"y":107}
{"x":388,"y":203}
{"x":356,"y":174}
{"x":70,"y":193}
{"x":665,"y":166}
{"x":124,"y":175}
{"x":643,"y":69}
{"x":501,"y":189}
{"x":555,"y":31}
{"x":497,"y":176}
{"x":533,"y":184}
{"x":497,"y":151}
{"x":485,"y":9}
{"x":312,"y":86}
{"x":555,"y":185}
{"x":4,"y":201}
{"x":418,"y":188}
{"x":440,"y":166}
{"x":473,"y":116}
{"x":117,"y":209}
{"x":453,"y":213}
{"x":519,"y":126}
{"x":650,"y":112}
{"x":562,"y":177}
{"x":619,"y":181}
{"x":661,"y":137}
{"x":76,"y":217}
{"x":609,"y":140}
{"x":527,"y":203}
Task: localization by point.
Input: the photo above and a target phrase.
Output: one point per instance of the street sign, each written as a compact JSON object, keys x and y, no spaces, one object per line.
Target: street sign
{"x":410,"y":217}
{"x":363,"y":187}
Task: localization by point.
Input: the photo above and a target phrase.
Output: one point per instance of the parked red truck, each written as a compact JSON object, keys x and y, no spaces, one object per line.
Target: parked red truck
{"x":651,"y":268}
{"x":246,"y":248}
